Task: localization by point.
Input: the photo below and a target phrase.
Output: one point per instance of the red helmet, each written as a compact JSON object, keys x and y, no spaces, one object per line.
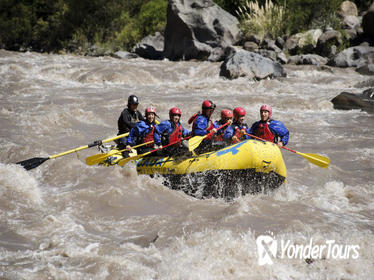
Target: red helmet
{"x":175,"y":111}
{"x":226,"y":113}
{"x":149,"y":110}
{"x":207,"y":104}
{"x":267,"y":108}
{"x":239,"y":112}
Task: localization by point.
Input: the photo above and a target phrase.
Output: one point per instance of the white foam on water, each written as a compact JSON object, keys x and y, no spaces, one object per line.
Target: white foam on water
{"x":18,"y":187}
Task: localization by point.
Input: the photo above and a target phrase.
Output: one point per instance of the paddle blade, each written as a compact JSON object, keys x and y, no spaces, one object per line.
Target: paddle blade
{"x":96,"y":159}
{"x":194,"y":142}
{"x":32,"y":162}
{"x":316,"y":159}
{"x":124,"y":161}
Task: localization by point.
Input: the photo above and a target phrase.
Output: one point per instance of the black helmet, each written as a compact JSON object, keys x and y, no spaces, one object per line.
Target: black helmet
{"x":132,"y":100}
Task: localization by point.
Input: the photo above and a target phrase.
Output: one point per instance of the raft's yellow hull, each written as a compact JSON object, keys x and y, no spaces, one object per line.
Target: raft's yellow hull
{"x":247,"y":167}
{"x":264,"y":157}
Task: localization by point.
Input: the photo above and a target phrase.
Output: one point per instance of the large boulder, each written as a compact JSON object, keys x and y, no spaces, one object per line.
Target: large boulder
{"x":349,"y":101}
{"x":151,"y":47}
{"x":196,"y":29}
{"x":354,"y":57}
{"x":312,"y":59}
{"x":328,"y":43}
{"x":348,"y":8}
{"x":305,"y":41}
{"x":252,"y":65}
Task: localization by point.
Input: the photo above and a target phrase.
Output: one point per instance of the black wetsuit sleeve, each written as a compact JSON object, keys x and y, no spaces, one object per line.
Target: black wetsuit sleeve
{"x":124,"y":122}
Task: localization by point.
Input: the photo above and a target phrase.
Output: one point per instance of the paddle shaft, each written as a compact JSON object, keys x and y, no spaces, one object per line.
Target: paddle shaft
{"x":35,"y":162}
{"x":283,"y":147}
{"x":316,"y":159}
{"x":93,"y":144}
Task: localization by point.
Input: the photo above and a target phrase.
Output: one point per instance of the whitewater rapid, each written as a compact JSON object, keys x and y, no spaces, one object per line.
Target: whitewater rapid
{"x":67,"y":220}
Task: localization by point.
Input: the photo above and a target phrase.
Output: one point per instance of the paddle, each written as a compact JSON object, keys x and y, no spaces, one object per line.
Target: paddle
{"x":195,"y":141}
{"x":35,"y":162}
{"x":316,"y":159}
{"x":122,"y":162}
{"x":95,"y":159}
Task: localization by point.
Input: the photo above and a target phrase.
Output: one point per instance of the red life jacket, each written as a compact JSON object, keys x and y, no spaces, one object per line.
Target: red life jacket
{"x":263,"y":131}
{"x":176,"y":134}
{"x":149,"y":136}
{"x":237,"y":132}
{"x":218,"y":137}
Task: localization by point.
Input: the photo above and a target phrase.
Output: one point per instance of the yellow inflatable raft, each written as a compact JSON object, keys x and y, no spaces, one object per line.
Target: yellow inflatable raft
{"x":247,"y":167}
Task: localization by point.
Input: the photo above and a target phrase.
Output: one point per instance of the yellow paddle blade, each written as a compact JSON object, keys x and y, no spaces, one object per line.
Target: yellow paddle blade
{"x":195,"y":141}
{"x":124,"y":161}
{"x":98,"y":158}
{"x":316,"y":159}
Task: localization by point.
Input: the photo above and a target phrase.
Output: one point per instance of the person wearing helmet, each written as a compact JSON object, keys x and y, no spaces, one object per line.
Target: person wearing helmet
{"x":172,"y":131}
{"x":202,"y":125}
{"x":269,"y":129}
{"x":236,"y":131}
{"x":128,"y":118}
{"x":145,"y":131}
{"x":226,"y":116}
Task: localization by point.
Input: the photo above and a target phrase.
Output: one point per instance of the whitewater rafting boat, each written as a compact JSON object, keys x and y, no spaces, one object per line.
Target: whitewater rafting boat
{"x":250,"y":166}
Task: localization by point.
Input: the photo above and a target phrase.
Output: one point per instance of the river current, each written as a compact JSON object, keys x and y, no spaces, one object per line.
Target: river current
{"x":67,"y":220}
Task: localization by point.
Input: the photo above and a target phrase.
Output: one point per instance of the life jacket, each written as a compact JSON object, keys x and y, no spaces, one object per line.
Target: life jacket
{"x":149,"y":136}
{"x":237,"y":130}
{"x":263,"y":131}
{"x":209,"y":126}
{"x":174,"y":136}
{"x":218,"y":137}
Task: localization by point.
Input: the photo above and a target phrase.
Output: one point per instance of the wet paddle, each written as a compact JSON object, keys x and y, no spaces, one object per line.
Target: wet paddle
{"x":316,"y":159}
{"x":195,"y":141}
{"x":124,"y":161}
{"x":98,"y":158}
{"x":35,"y":162}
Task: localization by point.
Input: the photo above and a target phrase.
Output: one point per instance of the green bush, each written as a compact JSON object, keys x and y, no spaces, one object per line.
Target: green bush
{"x":302,"y":15}
{"x":151,"y":18}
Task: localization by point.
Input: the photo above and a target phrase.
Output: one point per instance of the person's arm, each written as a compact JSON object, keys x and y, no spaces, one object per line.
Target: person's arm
{"x":131,"y":139}
{"x":163,"y":127}
{"x":135,"y":132}
{"x":185,"y":132}
{"x":281,"y":131}
{"x":229,"y":133}
{"x":200,"y":126}
{"x":157,"y":136}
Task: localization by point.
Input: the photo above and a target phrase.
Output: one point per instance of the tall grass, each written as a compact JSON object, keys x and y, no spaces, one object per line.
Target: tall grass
{"x":263,"y":21}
